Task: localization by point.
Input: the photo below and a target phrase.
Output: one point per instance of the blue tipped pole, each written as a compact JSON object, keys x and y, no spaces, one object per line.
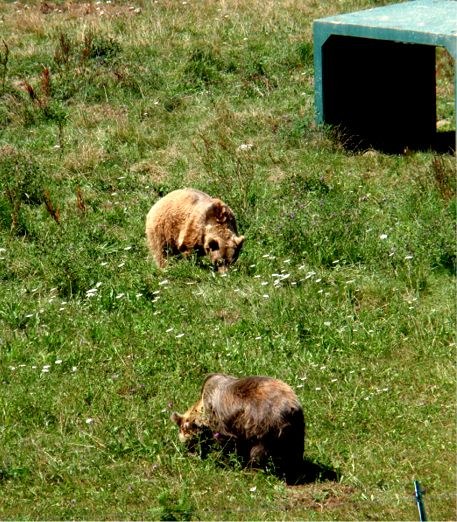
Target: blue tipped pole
{"x":418,"y":491}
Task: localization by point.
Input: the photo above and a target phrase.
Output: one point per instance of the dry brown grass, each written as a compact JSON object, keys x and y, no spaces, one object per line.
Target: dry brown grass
{"x":85,"y":156}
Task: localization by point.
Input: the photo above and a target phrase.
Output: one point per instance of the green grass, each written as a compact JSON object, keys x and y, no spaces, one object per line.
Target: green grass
{"x":345,"y":287}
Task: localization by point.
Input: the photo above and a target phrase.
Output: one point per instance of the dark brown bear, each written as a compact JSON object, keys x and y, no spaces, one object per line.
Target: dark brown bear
{"x":259,"y":417}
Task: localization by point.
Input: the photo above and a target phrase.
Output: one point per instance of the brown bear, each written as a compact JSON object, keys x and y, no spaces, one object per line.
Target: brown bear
{"x":188,"y":220}
{"x":260,"y":418}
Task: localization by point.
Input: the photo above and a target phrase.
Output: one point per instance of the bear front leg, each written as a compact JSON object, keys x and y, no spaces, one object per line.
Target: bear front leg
{"x":190,"y":239}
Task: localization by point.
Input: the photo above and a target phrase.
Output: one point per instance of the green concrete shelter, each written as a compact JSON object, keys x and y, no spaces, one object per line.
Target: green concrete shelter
{"x":375,"y":71}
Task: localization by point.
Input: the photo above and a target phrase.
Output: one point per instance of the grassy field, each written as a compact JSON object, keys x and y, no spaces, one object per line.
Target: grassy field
{"x":345,"y":287}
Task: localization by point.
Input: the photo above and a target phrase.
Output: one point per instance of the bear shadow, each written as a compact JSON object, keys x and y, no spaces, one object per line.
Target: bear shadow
{"x":311,"y":471}
{"x":225,"y":455}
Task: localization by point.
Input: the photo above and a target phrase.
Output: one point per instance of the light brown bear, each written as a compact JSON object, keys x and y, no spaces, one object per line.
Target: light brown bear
{"x":188,"y":220}
{"x":259,"y":418}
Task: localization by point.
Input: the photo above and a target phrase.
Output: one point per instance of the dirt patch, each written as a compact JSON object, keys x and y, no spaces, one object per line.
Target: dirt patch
{"x":228,"y":316}
{"x":79,"y":9}
{"x":319,"y":497}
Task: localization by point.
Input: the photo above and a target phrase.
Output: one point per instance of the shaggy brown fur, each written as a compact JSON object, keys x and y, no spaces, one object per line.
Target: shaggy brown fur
{"x":188,"y":220}
{"x":260,"y":416}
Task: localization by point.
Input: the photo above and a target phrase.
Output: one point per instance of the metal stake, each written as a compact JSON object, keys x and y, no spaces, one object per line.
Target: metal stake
{"x":420,"y":501}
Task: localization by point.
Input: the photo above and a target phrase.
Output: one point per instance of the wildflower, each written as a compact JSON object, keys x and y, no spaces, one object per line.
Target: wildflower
{"x":253,"y":489}
{"x":409,"y":257}
{"x":58,"y":361}
{"x":245,"y":146}
{"x":164,"y":282}
{"x":89,"y":420}
{"x":179,"y":336}
{"x":383,"y":236}
{"x":258,"y":338}
{"x":265,"y":296}
{"x":120,"y":296}
{"x":169,"y":330}
{"x":120,"y":265}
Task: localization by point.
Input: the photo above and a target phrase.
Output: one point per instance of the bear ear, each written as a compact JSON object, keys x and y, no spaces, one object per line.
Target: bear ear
{"x":177,"y":418}
{"x":239,"y":240}
{"x":218,"y":211}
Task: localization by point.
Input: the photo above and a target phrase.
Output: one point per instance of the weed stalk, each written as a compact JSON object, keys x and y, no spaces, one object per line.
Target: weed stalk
{"x":53,"y":211}
{"x":4,"y":64}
